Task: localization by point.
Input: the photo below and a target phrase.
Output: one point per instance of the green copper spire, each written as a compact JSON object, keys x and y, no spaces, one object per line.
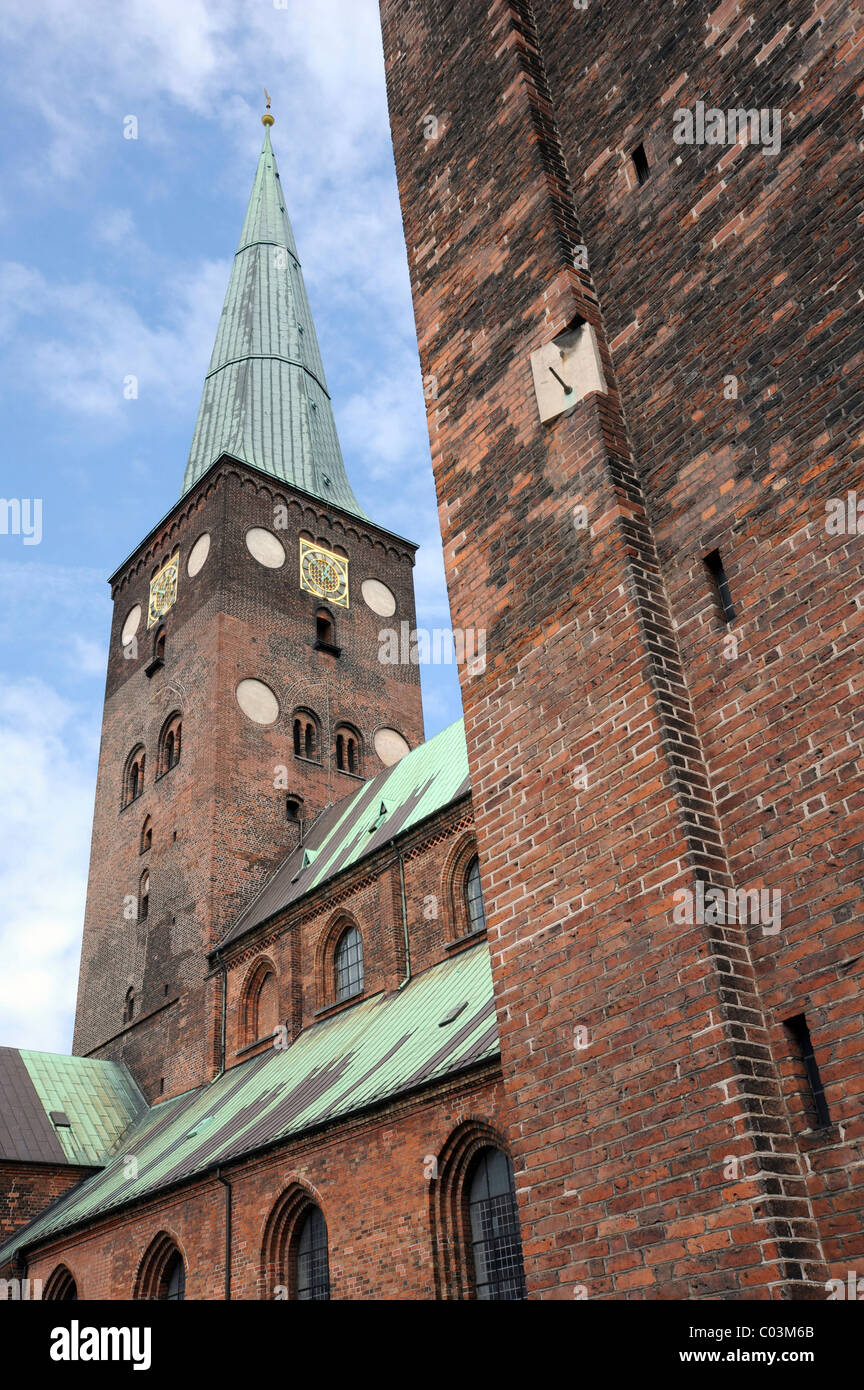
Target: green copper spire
{"x":265,"y":397}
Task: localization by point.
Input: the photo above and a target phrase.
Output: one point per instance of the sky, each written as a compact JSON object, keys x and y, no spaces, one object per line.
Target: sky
{"x":114,"y":259}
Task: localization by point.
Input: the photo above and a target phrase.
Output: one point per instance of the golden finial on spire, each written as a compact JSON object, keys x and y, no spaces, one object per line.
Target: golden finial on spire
{"x":267,"y":119}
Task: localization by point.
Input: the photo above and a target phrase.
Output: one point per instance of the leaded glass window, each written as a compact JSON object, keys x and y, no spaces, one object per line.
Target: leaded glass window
{"x":349,"y":965}
{"x":474,"y":899}
{"x":495,"y":1238}
{"x":313,"y":1263}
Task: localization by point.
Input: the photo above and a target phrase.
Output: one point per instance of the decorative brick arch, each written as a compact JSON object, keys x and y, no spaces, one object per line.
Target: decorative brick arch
{"x":453,"y":881}
{"x":325,"y":955}
{"x":278,"y":1247}
{"x":448,"y":1206}
{"x":306,"y":734}
{"x":169,"y":743}
{"x":61,"y":1285}
{"x":155,"y":1262}
{"x":348,"y":748}
{"x":252,"y":1027}
{"x":133,"y":775}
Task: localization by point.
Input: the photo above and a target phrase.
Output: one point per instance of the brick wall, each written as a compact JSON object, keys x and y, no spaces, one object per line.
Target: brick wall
{"x":27,"y":1188}
{"x":616,"y":756}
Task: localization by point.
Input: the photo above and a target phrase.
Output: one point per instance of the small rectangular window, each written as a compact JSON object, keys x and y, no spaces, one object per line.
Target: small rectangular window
{"x":714,"y":565}
{"x":640,"y":163}
{"x":797,"y":1026}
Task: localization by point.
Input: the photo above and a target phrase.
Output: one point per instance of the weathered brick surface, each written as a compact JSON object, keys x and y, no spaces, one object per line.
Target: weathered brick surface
{"x":606,"y":646}
{"x":219,"y":821}
{"x":27,"y":1188}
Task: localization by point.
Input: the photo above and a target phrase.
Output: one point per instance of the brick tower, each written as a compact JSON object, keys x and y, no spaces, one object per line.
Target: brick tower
{"x":244,"y":689}
{"x":648,"y":382}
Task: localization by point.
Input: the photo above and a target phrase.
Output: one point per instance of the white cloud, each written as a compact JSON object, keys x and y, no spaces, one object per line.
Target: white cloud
{"x":85,"y":341}
{"x":48,"y":758}
{"x":93,"y":64}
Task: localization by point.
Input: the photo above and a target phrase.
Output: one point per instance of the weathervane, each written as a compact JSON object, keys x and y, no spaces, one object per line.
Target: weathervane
{"x":267,"y":119}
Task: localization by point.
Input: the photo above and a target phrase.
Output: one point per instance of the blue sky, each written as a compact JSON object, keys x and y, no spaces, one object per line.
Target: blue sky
{"x":114,"y":258}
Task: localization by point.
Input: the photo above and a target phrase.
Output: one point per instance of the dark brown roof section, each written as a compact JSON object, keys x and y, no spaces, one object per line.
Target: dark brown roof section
{"x":26,"y":1133}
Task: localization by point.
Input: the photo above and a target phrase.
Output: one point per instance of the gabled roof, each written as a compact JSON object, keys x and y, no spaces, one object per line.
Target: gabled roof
{"x":427,"y":779}
{"x":440,"y":1023}
{"x":56,"y":1109}
{"x":265,"y":398}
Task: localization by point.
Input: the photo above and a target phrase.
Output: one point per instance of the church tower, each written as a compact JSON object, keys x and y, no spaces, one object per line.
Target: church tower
{"x":244,"y":689}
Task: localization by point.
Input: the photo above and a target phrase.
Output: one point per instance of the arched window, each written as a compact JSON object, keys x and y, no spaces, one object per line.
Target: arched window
{"x":129,"y":1005}
{"x":60,"y":1286}
{"x":159,"y":645}
{"x":325,"y":629}
{"x":144,"y":897}
{"x":295,"y":1262}
{"x":294,"y":808}
{"x":169,"y":744}
{"x":146,"y":835}
{"x":496,"y":1244}
{"x":307,"y":743}
{"x":312,"y":1271}
{"x":474,"y":898}
{"x":348,"y":961}
{"x":133,"y":775}
{"x":260,"y":1003}
{"x":162,"y":1272}
{"x":348,"y":749}
{"x":175,"y":1280}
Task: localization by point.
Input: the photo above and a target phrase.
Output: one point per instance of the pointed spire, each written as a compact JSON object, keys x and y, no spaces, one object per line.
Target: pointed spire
{"x":265,"y":398}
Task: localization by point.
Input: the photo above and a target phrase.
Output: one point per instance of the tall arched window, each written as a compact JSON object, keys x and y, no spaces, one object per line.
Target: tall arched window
{"x":133,"y":775}
{"x":474,"y":898}
{"x":129,"y":1005}
{"x":260,"y":1003}
{"x":174,"y":1280}
{"x":307,"y":743}
{"x":348,"y":749}
{"x":349,"y":964}
{"x":146,"y":834}
{"x":144,"y":897}
{"x":496,"y":1244}
{"x":312,"y":1272}
{"x":169,"y":744}
{"x":162,"y":1272}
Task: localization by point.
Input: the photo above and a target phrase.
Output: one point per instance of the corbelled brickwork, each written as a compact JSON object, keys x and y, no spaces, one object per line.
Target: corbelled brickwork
{"x":627,"y":747}
{"x":219,"y":816}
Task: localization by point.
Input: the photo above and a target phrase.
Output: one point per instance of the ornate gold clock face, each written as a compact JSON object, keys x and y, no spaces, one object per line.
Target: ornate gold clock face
{"x":163,"y":591}
{"x":324,"y":574}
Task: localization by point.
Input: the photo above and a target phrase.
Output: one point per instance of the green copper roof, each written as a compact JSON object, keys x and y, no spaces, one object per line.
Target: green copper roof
{"x":428,"y":778}
{"x":265,"y":397}
{"x":41,"y":1091}
{"x":440,"y":1023}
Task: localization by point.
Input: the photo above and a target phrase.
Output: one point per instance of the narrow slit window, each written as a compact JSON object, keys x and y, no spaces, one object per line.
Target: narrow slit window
{"x":714,"y":565}
{"x":640,"y":163}
{"x":797,"y":1026}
